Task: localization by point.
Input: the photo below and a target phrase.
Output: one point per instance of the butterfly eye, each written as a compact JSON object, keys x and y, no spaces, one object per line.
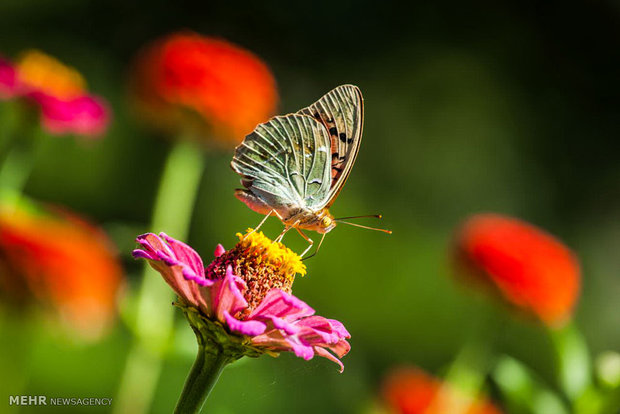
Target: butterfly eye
{"x":326,"y":222}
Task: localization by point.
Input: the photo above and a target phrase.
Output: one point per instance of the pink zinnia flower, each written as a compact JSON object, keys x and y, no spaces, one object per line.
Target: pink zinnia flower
{"x":58,"y":91}
{"x":243,"y":298}
{"x":526,"y":266}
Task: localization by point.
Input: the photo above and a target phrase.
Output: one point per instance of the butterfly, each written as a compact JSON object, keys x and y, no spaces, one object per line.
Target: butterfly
{"x":294,"y":166}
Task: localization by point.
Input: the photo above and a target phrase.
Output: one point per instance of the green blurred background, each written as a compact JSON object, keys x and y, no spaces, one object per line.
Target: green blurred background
{"x":511,"y":107}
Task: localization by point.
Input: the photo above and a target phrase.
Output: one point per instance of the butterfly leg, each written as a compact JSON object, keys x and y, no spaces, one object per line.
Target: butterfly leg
{"x":261,"y":223}
{"x":281,"y":236}
{"x":308,"y":239}
{"x":286,"y":229}
{"x":317,"y":249}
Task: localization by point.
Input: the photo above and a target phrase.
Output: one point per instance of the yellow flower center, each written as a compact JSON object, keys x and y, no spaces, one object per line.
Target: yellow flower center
{"x":41,"y":71}
{"x":263,"y":265}
{"x":276,"y":255}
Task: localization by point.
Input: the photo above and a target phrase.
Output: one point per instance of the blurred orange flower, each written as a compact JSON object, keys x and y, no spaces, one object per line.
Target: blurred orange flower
{"x":412,"y":391}
{"x":59,"y":259}
{"x":229,"y":88}
{"x":36,"y":70}
{"x":527,"y":266}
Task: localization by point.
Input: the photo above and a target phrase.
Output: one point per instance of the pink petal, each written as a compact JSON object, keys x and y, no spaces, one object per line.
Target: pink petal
{"x":341,"y":348}
{"x":8,"y":80}
{"x":287,"y":327}
{"x":339,"y":328}
{"x":316,"y":337}
{"x":325,"y":354}
{"x":85,"y":115}
{"x":202,"y":295}
{"x":277,"y":341}
{"x":219,"y":250}
{"x":194,"y":268}
{"x":281,"y":304}
{"x":226,"y":295}
{"x":250,"y":328}
{"x":301,"y":350}
{"x":162,"y":258}
{"x":316,"y":322}
{"x":173,"y":275}
{"x":317,"y":330}
{"x":153,"y":243}
{"x":143,"y":254}
{"x":173,"y":253}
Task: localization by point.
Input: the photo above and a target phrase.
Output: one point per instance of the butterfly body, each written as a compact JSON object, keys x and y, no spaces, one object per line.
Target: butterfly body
{"x":294,"y":166}
{"x":320,"y":221}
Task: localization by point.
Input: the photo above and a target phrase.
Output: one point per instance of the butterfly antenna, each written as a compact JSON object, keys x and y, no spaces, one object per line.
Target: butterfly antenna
{"x":379,"y":216}
{"x":365,"y":227}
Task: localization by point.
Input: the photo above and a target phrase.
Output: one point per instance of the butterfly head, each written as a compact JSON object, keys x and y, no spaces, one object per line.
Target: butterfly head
{"x":325,"y":222}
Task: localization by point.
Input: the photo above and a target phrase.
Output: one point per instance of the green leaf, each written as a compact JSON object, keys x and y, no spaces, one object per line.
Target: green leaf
{"x":574,"y":369}
{"x":522,"y":391}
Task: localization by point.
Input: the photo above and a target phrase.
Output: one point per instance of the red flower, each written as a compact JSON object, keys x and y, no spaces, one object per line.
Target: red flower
{"x":527,"y":266}
{"x":412,"y":391}
{"x":228,"y":87}
{"x":59,"y":259}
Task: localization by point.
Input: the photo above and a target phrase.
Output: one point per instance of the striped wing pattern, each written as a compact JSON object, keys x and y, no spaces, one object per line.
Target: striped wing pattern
{"x":341,"y":111}
{"x":285,"y":162}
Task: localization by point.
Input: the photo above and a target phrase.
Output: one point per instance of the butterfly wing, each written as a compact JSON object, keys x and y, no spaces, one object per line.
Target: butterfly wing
{"x":341,"y":111}
{"x":285,"y":163}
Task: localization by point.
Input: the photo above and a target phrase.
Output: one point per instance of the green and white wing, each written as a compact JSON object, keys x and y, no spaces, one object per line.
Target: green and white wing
{"x":285,"y":162}
{"x":341,"y":111}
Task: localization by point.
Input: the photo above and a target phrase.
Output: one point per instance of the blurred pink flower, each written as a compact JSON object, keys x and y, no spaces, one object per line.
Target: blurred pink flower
{"x":85,"y":115}
{"x":8,"y":80}
{"x":247,"y":290}
{"x":58,"y":91}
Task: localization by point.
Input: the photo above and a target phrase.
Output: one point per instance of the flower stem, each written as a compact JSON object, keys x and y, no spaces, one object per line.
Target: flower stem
{"x":523,"y":391}
{"x":209,"y":364}
{"x":154,"y":320}
{"x":8,"y":121}
{"x":469,"y":369}
{"x":574,"y":367}
{"x":24,"y":340}
{"x":467,"y":374}
{"x":20,"y":146}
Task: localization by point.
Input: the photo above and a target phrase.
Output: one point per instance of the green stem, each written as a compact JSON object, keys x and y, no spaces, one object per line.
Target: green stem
{"x":469,"y":369}
{"x":573,"y":360}
{"x":20,"y":146}
{"x":523,"y":392}
{"x":20,"y":340}
{"x":8,"y":123}
{"x":467,"y":374}
{"x":209,"y":364}
{"x":154,"y":321}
